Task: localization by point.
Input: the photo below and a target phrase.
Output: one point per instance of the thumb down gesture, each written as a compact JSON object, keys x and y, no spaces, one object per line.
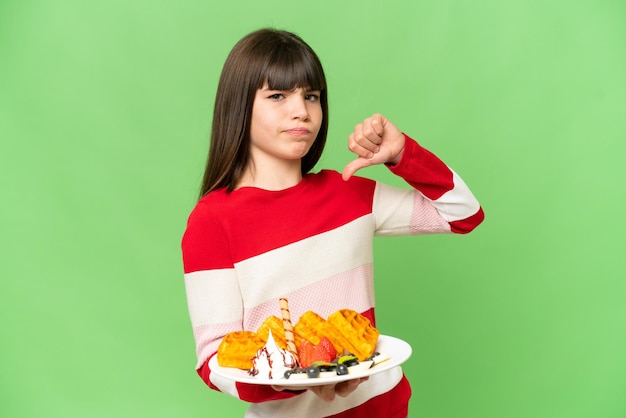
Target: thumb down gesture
{"x":375,"y":141}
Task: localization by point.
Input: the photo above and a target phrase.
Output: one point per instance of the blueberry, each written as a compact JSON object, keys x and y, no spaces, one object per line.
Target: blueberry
{"x":342,"y":369}
{"x":313,"y":371}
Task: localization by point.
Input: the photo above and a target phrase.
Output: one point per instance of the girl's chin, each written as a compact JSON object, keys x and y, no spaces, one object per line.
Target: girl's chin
{"x":299,"y":152}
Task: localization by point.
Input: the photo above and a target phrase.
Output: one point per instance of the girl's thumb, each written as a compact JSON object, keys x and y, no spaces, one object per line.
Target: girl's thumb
{"x":353,"y":166}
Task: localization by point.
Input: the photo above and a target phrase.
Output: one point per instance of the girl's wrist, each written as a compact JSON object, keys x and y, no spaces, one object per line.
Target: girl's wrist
{"x":398,"y":157}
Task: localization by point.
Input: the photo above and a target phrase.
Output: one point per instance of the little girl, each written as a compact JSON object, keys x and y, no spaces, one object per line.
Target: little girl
{"x":265,"y":227}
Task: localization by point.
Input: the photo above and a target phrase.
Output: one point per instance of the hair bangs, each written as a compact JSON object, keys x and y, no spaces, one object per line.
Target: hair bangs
{"x":289,"y":69}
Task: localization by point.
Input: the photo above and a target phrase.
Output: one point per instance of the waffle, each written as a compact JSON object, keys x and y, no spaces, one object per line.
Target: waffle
{"x":309,"y":327}
{"x":346,"y":329}
{"x":278,"y":331}
{"x":357,"y":330}
{"x":238,"y":348}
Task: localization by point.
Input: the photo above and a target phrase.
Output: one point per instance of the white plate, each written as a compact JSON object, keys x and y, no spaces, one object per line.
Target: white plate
{"x":399,"y":351}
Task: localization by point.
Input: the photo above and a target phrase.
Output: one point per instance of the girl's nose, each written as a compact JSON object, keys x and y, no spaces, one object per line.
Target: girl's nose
{"x":299,"y":107}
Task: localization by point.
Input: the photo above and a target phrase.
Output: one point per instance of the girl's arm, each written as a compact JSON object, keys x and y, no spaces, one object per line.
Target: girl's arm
{"x":443,"y":202}
{"x":438,"y":187}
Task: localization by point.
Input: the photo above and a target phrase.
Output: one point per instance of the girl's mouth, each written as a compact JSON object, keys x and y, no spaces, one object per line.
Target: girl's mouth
{"x":297,"y":131}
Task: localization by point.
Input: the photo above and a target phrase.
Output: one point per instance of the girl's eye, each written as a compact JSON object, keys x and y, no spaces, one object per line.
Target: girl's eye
{"x":276,"y":97}
{"x":312,"y":97}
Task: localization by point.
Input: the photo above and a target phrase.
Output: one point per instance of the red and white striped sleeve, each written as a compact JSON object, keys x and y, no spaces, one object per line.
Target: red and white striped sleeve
{"x":440,"y":202}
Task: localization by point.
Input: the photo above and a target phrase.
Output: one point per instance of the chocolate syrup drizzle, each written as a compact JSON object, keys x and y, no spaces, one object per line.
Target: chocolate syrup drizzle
{"x":288,"y":362}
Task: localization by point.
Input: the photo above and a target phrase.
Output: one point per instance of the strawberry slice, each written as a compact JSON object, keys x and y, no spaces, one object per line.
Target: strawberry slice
{"x":305,"y":353}
{"x":325,"y":350}
{"x":310,"y":353}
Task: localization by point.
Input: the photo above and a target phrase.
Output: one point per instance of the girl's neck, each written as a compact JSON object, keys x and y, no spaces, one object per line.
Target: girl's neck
{"x":272,"y":178}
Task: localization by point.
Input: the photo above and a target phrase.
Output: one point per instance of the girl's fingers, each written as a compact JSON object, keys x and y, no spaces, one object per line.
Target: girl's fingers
{"x":324,"y":392}
{"x":378,"y":125}
{"x":343,"y":389}
{"x":372,"y":129}
{"x":367,"y":137}
{"x":364,"y":144}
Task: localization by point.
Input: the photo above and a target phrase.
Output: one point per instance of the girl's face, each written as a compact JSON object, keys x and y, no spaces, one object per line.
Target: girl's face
{"x":284,"y":124}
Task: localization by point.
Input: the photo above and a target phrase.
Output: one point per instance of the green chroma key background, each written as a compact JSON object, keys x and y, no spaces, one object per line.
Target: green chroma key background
{"x":105,"y":109}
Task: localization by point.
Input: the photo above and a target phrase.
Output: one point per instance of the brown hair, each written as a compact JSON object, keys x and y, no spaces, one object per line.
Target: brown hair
{"x":284,"y":61}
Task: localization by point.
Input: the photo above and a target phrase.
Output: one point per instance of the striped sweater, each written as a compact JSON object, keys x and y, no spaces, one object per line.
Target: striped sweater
{"x":311,"y":243}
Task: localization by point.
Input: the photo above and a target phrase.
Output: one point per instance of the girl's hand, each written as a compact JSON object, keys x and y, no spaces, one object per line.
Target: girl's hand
{"x":375,"y":141}
{"x":327,"y":393}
